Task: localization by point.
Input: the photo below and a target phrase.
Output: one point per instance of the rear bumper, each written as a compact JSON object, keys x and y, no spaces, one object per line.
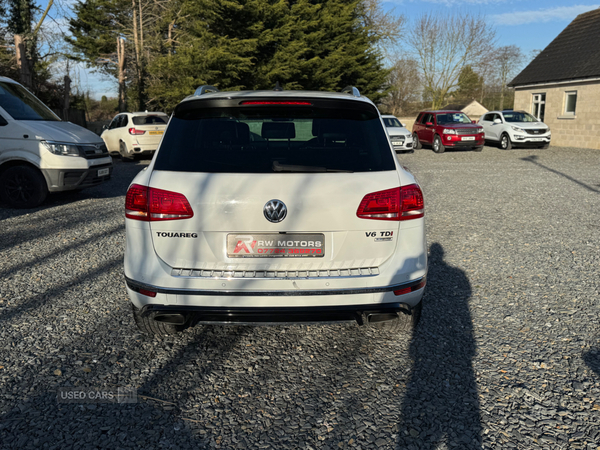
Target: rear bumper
{"x":136,"y":286}
{"x":275,"y":306}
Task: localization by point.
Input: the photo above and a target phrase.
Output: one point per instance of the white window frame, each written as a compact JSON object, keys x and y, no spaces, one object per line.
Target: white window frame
{"x":567,"y":95}
{"x":538,"y":101}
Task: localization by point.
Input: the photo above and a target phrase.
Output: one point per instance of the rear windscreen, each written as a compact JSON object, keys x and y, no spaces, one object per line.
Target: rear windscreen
{"x":150,"y":120}
{"x":275,"y":138}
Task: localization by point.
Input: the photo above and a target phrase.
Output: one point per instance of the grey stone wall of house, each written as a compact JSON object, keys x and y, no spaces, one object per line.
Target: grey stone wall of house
{"x":581,"y":129}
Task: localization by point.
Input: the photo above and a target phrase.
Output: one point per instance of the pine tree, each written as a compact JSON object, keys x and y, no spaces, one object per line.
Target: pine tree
{"x":241,"y":44}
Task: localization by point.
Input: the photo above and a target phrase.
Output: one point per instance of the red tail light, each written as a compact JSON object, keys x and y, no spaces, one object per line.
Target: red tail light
{"x":401,"y":203}
{"x":150,"y":204}
{"x":408,"y":290}
{"x":136,"y":132}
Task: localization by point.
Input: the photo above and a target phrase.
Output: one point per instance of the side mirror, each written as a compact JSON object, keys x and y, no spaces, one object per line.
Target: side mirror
{"x":403,"y":124}
{"x":496,"y":120}
{"x":429,"y":124}
{"x":105,"y":127}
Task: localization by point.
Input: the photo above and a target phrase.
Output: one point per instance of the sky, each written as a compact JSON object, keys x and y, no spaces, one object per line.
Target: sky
{"x":529,"y":24}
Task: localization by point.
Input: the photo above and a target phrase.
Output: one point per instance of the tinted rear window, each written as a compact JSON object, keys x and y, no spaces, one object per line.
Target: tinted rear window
{"x":150,"y":120}
{"x":208,"y":137}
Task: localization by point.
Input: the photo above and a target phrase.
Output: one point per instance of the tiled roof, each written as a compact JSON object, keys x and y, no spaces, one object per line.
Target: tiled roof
{"x":574,"y":54}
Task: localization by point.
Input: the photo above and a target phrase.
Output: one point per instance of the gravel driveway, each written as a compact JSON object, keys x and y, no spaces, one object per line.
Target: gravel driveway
{"x":507,"y":354}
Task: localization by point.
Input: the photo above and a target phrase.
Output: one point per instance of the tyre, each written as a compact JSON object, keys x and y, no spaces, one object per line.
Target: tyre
{"x":438,"y":146}
{"x":23,"y":187}
{"x":478,"y":149}
{"x":505,"y":142}
{"x":123,"y":152}
{"x":148,"y":325}
{"x":416,"y":142}
{"x":404,"y":323}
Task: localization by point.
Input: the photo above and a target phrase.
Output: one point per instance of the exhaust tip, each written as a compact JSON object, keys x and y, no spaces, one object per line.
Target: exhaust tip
{"x":381,"y":317}
{"x":172,"y":319}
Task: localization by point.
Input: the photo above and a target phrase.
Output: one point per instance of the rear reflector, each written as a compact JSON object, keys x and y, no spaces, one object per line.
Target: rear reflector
{"x":247,"y":102}
{"x":151,"y":204}
{"x":408,"y":290}
{"x":136,"y":132}
{"x":147,"y":293}
{"x":401,"y":203}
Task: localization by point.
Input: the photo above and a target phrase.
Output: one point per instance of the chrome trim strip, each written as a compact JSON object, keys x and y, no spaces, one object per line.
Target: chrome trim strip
{"x":354,"y":272}
{"x":136,"y":286}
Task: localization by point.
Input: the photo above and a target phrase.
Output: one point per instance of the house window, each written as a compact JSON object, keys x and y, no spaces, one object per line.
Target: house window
{"x":539,"y":106}
{"x":570,"y":102}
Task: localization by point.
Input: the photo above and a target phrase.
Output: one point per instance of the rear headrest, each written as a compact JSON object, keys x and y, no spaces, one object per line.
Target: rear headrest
{"x":228,"y":131}
{"x":243,"y":132}
{"x":330,"y":128}
{"x":278,"y":130}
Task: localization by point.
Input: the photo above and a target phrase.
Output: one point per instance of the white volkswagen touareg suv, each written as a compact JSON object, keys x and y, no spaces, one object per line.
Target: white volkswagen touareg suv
{"x":275,"y":206}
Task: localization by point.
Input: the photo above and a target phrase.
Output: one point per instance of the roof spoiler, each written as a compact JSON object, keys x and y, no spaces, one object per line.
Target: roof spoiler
{"x":205,"y":89}
{"x":351,"y":90}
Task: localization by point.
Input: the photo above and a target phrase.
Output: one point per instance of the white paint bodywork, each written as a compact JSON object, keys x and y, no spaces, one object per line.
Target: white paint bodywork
{"x":233,"y":203}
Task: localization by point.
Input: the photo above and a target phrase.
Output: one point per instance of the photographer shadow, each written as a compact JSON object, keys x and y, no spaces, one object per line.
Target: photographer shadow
{"x":441,"y":404}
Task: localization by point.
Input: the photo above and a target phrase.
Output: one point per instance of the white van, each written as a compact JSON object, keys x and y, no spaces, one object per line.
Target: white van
{"x":39,"y":153}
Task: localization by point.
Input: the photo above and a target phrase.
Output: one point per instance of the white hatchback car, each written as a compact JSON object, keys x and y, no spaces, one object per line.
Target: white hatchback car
{"x":274,"y":206}
{"x":402,"y":139}
{"x":138,"y":133}
{"x":510,"y":129}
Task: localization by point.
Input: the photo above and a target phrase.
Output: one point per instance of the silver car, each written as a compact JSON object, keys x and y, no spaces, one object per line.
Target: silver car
{"x":510,"y":129}
{"x":401,"y":138}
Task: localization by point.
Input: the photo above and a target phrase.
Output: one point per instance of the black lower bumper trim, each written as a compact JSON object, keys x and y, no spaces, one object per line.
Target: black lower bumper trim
{"x":258,"y":315}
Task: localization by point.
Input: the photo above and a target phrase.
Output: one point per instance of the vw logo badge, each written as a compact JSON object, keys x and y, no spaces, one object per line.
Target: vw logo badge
{"x":275,"y":211}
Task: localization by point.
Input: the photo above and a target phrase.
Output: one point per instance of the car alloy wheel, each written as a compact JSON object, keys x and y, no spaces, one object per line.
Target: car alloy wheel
{"x":438,"y":147}
{"x":23,"y":187}
{"x":505,"y":142}
{"x":416,"y":142}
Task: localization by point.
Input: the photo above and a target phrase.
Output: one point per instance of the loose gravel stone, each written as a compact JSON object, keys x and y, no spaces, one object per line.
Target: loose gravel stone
{"x":507,"y":354}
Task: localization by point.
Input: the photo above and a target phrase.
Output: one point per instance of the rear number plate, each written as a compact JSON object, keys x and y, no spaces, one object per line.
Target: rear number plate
{"x":468,"y":138}
{"x":261,"y":245}
{"x":103,"y":172}
{"x":154,"y":133}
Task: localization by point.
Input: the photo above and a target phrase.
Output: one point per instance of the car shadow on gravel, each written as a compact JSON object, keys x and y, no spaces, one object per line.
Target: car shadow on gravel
{"x":441,"y":404}
{"x":534,"y":159}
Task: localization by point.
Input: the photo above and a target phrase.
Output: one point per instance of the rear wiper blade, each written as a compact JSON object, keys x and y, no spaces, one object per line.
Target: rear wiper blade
{"x":277,"y":167}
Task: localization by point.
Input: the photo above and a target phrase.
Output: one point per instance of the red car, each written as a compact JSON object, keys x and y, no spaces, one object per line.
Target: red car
{"x":447,"y":129}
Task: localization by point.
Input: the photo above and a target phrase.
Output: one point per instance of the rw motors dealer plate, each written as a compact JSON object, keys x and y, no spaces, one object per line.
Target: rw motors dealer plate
{"x":262,"y":245}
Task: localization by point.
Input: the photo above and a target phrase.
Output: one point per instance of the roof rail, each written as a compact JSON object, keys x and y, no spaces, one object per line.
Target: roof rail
{"x":351,"y":90}
{"x":205,"y":89}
